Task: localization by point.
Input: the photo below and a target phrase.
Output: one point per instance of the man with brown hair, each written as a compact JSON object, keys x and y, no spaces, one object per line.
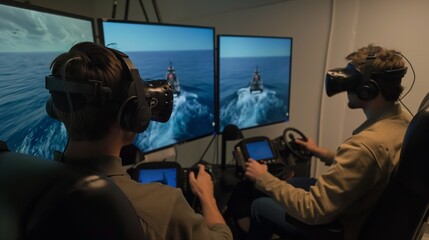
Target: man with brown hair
{"x":362,"y":165}
{"x":99,"y":126}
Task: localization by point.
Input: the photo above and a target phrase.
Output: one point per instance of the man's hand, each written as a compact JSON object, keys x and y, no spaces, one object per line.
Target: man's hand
{"x":202,"y":185}
{"x":310,"y":145}
{"x":323,"y":154}
{"x":255,"y":170}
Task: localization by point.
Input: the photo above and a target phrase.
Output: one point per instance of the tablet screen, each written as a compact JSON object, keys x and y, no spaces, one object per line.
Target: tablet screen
{"x":166,"y":176}
{"x":259,"y":150}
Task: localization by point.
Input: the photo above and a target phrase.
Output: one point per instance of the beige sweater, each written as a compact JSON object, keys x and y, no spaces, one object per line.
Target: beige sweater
{"x":350,"y":189}
{"x":163,"y":210}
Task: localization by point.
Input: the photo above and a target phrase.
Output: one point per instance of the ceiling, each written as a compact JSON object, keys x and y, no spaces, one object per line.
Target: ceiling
{"x":170,"y":10}
{"x":176,"y":9}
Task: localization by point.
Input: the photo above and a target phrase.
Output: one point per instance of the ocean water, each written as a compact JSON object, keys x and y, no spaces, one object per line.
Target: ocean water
{"x":193,"y":111}
{"x":24,"y":124}
{"x":26,"y":127}
{"x":244,"y":109}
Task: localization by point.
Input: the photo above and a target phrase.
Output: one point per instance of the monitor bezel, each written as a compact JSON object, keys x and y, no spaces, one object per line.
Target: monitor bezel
{"x":218,"y":39}
{"x":100,"y":22}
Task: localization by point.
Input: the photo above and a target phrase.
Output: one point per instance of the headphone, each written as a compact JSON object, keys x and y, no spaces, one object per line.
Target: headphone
{"x":368,"y":89}
{"x":134,"y":113}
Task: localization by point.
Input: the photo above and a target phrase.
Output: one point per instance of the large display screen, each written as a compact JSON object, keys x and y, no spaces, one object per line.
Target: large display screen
{"x":30,"y":38}
{"x":183,"y":55}
{"x":254,"y":80}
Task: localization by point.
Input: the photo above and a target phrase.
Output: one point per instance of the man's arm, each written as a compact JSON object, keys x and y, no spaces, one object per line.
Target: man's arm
{"x":325,"y":155}
{"x":202,"y":187}
{"x":355,"y":172}
{"x":255,"y":170}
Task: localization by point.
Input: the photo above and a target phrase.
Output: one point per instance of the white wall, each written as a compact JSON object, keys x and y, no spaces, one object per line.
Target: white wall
{"x":307,"y":21}
{"x":309,"y":27}
{"x":355,"y":23}
{"x":324,"y":32}
{"x":392,"y":24}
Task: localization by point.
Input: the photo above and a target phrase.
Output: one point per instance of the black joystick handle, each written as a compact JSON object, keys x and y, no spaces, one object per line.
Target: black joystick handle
{"x":196,"y":170}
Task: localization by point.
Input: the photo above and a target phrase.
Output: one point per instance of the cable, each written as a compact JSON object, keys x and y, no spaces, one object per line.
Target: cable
{"x":63,"y":77}
{"x":208,"y":146}
{"x":127,"y":8}
{"x":216,"y":152}
{"x":144,"y":11}
{"x":155,"y":6}
{"x":412,"y":83}
{"x":414,"y":76}
{"x":115,"y":4}
{"x":400,"y":100}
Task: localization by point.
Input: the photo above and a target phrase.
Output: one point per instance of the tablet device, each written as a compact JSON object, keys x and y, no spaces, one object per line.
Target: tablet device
{"x":258,"y":148}
{"x":167,"y":173}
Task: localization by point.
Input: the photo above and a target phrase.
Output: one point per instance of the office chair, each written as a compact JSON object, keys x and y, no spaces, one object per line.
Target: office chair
{"x":402,"y":209}
{"x":43,"y":199}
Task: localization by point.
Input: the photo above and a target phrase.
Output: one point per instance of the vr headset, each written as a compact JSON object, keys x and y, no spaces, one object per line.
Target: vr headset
{"x":351,"y":79}
{"x":158,"y":95}
{"x":145,"y":101}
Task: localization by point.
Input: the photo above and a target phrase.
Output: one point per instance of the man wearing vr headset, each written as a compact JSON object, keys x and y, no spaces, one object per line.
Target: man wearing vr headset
{"x":362,"y":164}
{"x":98,"y":94}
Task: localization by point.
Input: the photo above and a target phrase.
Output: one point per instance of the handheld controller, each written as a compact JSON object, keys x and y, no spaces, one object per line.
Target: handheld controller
{"x":193,"y":201}
{"x":257,"y":148}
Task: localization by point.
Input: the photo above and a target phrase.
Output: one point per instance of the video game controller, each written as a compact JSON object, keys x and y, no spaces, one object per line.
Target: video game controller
{"x":196,"y":170}
{"x":186,"y":188}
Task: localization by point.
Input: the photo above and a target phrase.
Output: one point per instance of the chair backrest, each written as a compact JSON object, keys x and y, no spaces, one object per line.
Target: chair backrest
{"x":403,"y":207}
{"x":43,"y":199}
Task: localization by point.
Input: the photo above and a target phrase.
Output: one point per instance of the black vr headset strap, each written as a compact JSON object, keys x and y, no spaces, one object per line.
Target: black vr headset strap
{"x":135,"y":113}
{"x":135,"y":78}
{"x":369,"y":66}
{"x":155,"y":95}
{"x":90,"y":88}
